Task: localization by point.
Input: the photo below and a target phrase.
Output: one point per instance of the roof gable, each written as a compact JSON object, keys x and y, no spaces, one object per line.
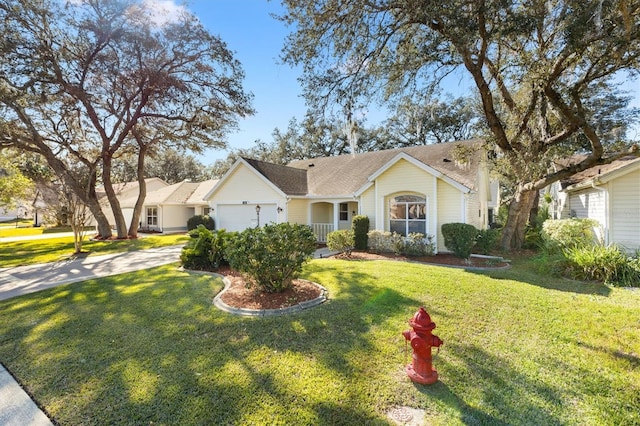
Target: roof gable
{"x":266,"y":172}
{"x":602,"y":173}
{"x":346,"y":175}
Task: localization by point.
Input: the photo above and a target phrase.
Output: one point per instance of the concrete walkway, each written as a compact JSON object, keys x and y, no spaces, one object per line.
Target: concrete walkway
{"x":16,"y":407}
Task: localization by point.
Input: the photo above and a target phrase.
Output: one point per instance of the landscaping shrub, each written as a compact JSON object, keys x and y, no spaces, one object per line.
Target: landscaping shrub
{"x":205,"y":250}
{"x":360,"y":228}
{"x":385,"y":242}
{"x":342,"y":240}
{"x":568,"y":233}
{"x":608,"y":264}
{"x":459,"y":238}
{"x":271,"y":256}
{"x":486,"y":240}
{"x":415,"y":244}
{"x":205,"y":220}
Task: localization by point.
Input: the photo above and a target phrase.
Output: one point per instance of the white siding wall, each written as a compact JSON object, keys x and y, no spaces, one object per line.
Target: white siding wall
{"x":588,"y":203}
{"x":174,"y":218}
{"x":475,"y":211}
{"x":625,"y":211}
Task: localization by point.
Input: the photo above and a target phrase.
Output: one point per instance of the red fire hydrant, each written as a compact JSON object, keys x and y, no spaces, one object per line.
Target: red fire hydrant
{"x":422,"y":340}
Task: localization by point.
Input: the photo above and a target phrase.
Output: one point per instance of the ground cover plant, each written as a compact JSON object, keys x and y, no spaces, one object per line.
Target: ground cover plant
{"x":16,"y":253}
{"x":149,"y":348}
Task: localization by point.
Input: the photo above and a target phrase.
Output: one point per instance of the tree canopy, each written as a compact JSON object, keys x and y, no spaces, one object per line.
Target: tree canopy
{"x":83,"y":82}
{"x":538,"y":67}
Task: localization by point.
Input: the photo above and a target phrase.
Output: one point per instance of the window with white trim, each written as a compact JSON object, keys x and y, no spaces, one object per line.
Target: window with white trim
{"x":344,"y":211}
{"x":408,"y":214}
{"x":152,"y":216}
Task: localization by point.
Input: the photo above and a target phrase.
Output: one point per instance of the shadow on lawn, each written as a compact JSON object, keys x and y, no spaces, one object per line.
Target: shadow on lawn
{"x":504,"y":396}
{"x":523,"y":271}
{"x":155,"y":351}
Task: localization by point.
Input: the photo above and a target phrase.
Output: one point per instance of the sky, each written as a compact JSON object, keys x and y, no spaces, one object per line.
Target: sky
{"x":257,"y":39}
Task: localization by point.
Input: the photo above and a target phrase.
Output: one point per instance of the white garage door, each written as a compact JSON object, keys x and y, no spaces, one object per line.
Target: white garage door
{"x":238,"y":217}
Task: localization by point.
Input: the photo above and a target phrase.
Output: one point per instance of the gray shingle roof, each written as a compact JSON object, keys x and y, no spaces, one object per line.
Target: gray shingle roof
{"x":291,"y":181}
{"x":345,"y":174}
{"x":599,"y":170}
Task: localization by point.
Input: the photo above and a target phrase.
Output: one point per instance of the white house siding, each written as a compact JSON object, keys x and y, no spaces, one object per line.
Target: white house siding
{"x":625,"y":211}
{"x":450,"y":209}
{"x":588,"y":203}
{"x":173,"y":218}
{"x":476,"y":213}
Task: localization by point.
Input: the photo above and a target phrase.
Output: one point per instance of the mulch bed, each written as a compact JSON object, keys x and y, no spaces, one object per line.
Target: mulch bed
{"x":239,"y":295}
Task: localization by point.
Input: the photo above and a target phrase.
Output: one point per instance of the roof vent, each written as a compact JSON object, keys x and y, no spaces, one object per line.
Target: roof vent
{"x":446,"y":160}
{"x":311,"y":165}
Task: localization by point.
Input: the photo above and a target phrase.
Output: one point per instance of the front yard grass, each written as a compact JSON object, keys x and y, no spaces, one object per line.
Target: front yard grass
{"x":31,"y":252}
{"x":149,"y":348}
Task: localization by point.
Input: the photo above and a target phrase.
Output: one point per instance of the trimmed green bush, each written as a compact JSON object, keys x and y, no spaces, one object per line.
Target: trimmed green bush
{"x":360,"y":227}
{"x":205,"y":220}
{"x":205,"y":250}
{"x":342,"y":240}
{"x":568,"y":233}
{"x":272,"y":256}
{"x":486,"y":240}
{"x":459,"y":238}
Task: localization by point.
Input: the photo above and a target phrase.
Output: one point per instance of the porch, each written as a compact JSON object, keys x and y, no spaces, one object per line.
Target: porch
{"x":327,"y":217}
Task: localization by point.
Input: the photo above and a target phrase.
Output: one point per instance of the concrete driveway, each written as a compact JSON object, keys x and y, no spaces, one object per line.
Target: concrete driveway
{"x":21,"y":280}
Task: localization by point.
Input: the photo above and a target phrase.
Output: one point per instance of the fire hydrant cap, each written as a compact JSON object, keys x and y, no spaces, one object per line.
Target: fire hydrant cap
{"x":422,"y":321}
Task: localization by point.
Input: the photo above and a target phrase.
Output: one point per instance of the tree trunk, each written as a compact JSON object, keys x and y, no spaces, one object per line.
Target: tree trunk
{"x":142,"y":185}
{"x":519,"y":211}
{"x":121,"y":225}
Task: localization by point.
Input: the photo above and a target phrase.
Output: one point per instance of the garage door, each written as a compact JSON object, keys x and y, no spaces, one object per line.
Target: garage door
{"x":238,"y":217}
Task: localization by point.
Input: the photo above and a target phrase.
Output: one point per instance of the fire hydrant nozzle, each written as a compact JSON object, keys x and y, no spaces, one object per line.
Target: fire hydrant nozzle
{"x":422,"y":340}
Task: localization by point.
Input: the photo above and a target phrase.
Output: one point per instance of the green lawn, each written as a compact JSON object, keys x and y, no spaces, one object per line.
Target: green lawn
{"x":53,"y":249}
{"x":149,"y":348}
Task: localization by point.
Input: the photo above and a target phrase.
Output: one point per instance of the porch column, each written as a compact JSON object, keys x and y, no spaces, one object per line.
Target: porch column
{"x":336,"y":215}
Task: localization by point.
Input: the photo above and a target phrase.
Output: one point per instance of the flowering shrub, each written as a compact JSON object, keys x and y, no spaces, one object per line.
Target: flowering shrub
{"x":415,"y":244}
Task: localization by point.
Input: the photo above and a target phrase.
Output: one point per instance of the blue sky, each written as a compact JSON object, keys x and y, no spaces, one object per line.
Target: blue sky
{"x":257,"y":39}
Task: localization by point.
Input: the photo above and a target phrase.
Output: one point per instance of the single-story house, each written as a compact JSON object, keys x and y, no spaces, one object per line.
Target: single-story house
{"x":126,"y":191}
{"x":610,"y":194}
{"x":414,"y":189}
{"x":167,"y":209}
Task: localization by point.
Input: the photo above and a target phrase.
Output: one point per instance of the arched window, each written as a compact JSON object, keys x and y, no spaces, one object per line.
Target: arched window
{"x":408,"y":214}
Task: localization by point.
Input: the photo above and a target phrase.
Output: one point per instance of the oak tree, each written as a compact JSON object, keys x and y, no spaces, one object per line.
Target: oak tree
{"x":535,"y":66}
{"x":83,"y":82}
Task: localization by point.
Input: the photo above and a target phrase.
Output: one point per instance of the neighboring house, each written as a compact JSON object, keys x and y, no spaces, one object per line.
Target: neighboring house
{"x":610,"y":194}
{"x":415,"y":189}
{"x":125,"y":191}
{"x":167,"y":209}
